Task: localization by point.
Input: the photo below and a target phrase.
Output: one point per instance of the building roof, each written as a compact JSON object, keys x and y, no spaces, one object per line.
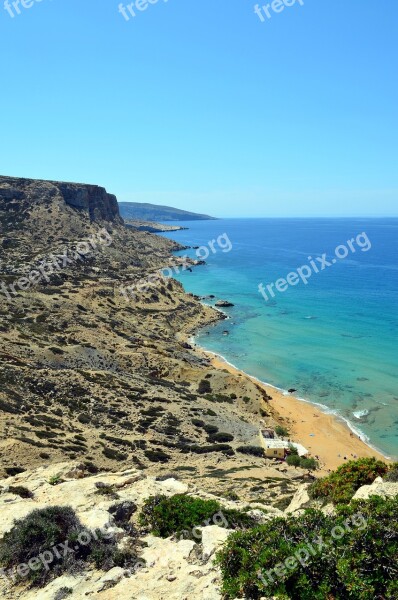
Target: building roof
{"x":274,"y":444}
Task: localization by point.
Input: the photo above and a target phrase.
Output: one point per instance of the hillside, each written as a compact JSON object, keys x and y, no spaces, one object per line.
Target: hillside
{"x":152,"y":212}
{"x":90,"y":374}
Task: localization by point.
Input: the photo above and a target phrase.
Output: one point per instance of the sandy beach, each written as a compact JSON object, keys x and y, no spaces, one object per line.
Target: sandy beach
{"x":325,"y":436}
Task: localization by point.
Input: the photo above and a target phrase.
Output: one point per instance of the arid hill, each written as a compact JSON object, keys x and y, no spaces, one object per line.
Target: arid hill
{"x":90,"y":374}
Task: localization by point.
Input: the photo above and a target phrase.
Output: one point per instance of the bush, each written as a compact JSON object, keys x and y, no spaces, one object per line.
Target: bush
{"x":45,"y":528}
{"x":196,"y":449}
{"x":220,"y":437}
{"x":293,"y":450}
{"x":157,"y":456}
{"x":12,"y":471}
{"x":309,"y":463}
{"x":251,"y":450}
{"x":340,"y":486}
{"x":20,"y":491}
{"x":281,"y":431}
{"x":63,"y":593}
{"x":181,"y":514}
{"x":293,"y":460}
{"x":392,"y":475}
{"x":204,"y":387}
{"x":113,"y":454}
{"x":361,"y":565}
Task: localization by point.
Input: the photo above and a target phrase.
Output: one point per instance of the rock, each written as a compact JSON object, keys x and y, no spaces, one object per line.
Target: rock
{"x":123,"y":512}
{"x":212,"y":538}
{"x":300,"y":500}
{"x":260,"y":516}
{"x":377,"y":488}
{"x":224,"y":304}
{"x":77,"y":472}
{"x":172,"y":486}
{"x":111,"y":579}
{"x":90,"y":199}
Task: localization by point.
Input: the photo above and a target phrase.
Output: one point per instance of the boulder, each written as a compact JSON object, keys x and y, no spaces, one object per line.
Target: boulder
{"x":300,"y":499}
{"x":212,"y":538}
{"x":377,"y":488}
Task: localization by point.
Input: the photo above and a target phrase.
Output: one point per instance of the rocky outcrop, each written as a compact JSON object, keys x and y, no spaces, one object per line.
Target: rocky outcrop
{"x":224,"y":304}
{"x":377,"y":488}
{"x":300,"y":500}
{"x":168,"y":568}
{"x":92,"y":199}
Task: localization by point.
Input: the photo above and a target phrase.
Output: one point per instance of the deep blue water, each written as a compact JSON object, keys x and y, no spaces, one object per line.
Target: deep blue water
{"x":334,"y":339}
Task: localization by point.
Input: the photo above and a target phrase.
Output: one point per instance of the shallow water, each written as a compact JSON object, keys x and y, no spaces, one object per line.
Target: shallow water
{"x":334,"y":339}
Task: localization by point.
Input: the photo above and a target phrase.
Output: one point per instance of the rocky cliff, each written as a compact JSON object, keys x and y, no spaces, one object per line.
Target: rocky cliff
{"x":20,"y":195}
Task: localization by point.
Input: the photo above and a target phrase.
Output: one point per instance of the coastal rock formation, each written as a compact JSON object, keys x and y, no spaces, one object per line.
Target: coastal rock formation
{"x":20,"y":195}
{"x":224,"y":304}
{"x":152,"y":227}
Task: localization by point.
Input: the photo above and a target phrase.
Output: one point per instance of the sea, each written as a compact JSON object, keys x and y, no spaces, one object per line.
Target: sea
{"x":331,"y":335}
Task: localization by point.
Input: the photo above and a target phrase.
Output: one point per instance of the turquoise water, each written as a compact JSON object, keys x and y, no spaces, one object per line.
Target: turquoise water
{"x":334,"y":339}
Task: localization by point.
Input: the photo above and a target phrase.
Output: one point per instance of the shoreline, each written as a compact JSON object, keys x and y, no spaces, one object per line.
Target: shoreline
{"x":326,"y":435}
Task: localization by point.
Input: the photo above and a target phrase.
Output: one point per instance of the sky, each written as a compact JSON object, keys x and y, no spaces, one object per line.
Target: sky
{"x":205,"y":105}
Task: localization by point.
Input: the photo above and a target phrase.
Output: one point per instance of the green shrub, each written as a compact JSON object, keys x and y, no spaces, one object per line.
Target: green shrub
{"x":196,"y":449}
{"x":360,"y":564}
{"x":293,"y":460}
{"x":293,"y":450}
{"x":157,"y":456}
{"x":220,"y":437}
{"x":210,"y":429}
{"x":251,"y":450}
{"x":281,"y":431}
{"x":308,"y":463}
{"x":44,"y":529}
{"x":113,"y":454}
{"x":63,"y":593}
{"x":55,"y":480}
{"x":392,"y":475}
{"x":181,"y":514}
{"x":339,"y":487}
{"x":204,"y":387}
{"x":12,"y":471}
{"x":20,"y":491}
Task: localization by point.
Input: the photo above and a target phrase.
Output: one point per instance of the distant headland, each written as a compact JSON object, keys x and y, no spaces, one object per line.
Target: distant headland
{"x":152,"y":212}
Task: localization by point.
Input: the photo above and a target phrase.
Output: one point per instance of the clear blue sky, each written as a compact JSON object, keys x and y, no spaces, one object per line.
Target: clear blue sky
{"x":201,"y":105}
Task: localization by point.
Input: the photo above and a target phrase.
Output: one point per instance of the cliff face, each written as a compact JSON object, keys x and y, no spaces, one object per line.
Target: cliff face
{"x":92,"y":198}
{"x":17,"y":194}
